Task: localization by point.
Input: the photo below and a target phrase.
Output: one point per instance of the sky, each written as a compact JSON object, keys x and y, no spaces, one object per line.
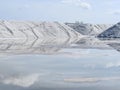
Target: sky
{"x":88,"y":11}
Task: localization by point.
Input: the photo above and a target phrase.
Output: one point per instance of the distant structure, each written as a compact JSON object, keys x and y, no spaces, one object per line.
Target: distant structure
{"x":89,"y":29}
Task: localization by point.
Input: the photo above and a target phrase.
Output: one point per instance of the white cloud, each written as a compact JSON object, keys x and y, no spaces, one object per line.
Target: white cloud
{"x":116,"y":12}
{"x":85,"y":5}
{"x":79,"y":3}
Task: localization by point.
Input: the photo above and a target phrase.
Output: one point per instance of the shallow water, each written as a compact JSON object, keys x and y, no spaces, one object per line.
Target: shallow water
{"x":83,"y":65}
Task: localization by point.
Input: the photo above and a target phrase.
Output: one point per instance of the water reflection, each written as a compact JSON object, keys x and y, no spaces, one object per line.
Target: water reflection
{"x":19,"y":80}
{"x":48,"y":46}
{"x":115,"y":46}
{"x":38,"y":46}
{"x":86,"y":64}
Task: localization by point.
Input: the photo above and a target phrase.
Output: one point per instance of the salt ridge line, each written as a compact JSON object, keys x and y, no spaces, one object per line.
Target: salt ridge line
{"x":113,"y":32}
{"x":28,"y":29}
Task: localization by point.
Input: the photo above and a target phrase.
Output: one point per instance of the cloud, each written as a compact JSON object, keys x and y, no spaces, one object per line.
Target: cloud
{"x":116,"y":12}
{"x":23,"y":81}
{"x":85,"y":5}
{"x":79,"y":3}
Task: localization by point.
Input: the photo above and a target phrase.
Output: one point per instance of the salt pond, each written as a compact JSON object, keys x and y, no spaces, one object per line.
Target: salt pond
{"x":79,"y":65}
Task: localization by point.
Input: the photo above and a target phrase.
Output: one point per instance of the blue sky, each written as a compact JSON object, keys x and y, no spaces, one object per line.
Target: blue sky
{"x":89,"y":11}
